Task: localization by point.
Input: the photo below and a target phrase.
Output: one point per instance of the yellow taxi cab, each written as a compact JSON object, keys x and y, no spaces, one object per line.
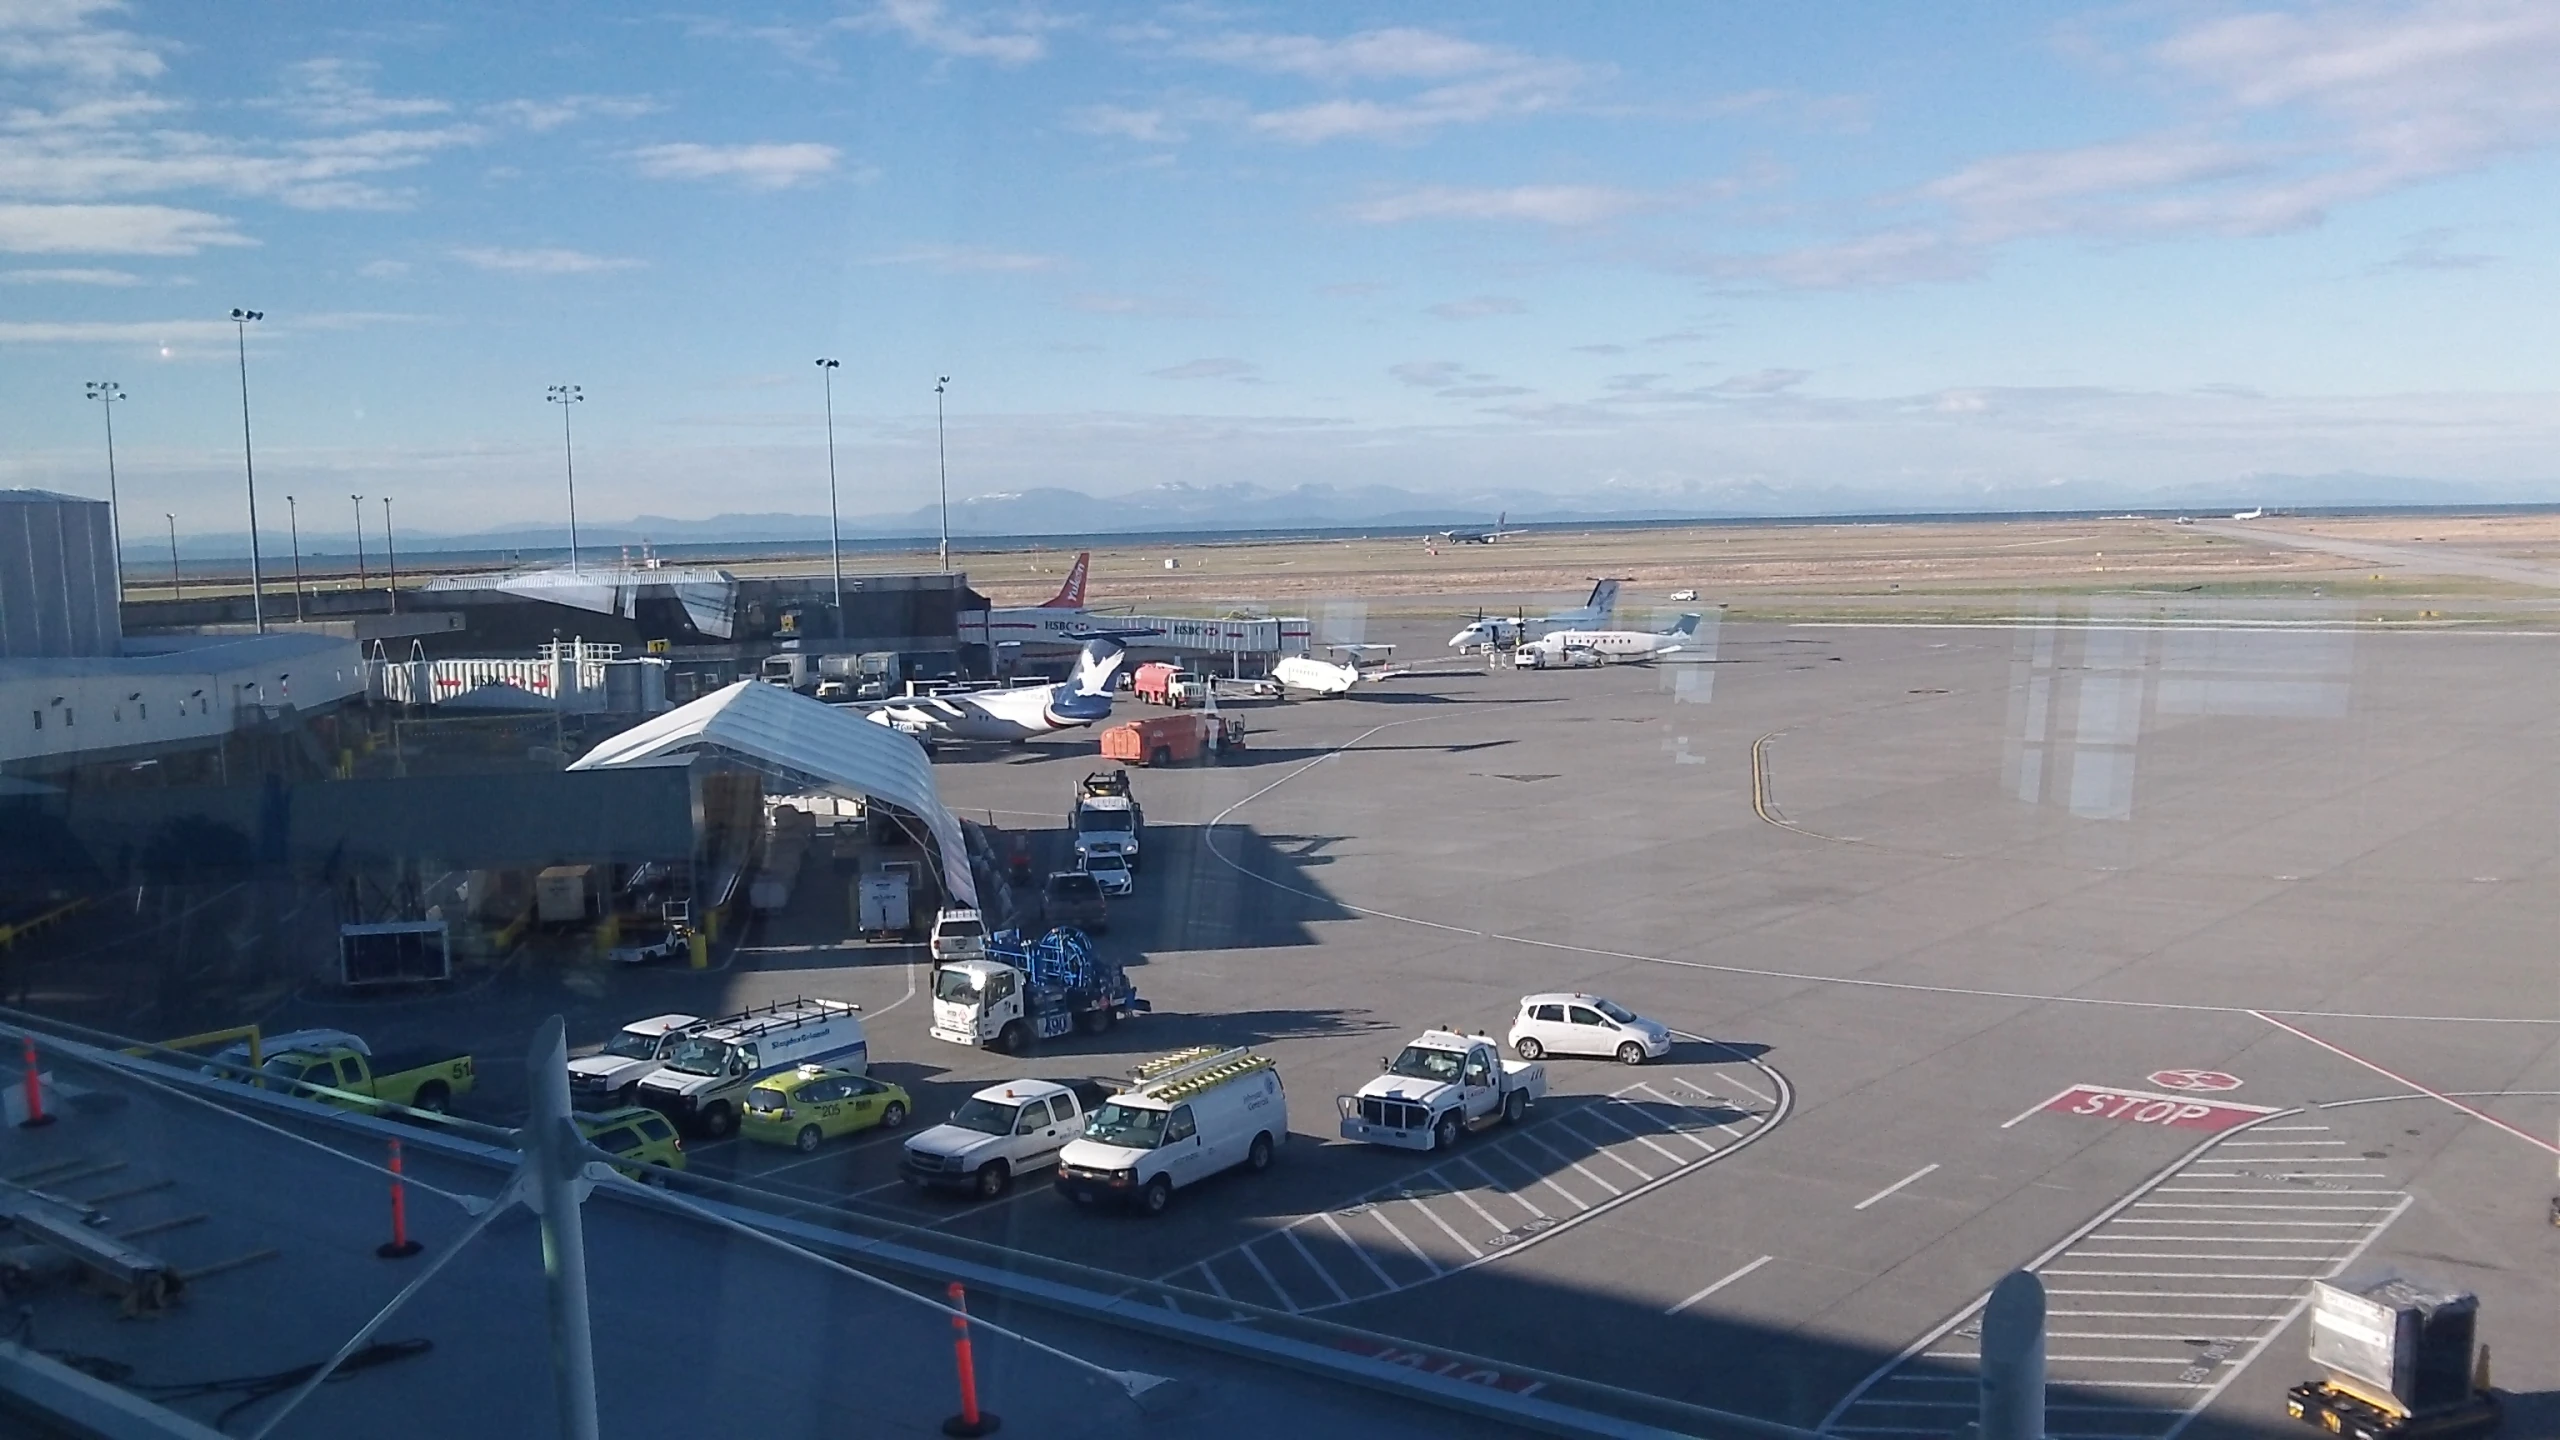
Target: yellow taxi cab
{"x":815,"y":1103}
{"x":637,"y":1135}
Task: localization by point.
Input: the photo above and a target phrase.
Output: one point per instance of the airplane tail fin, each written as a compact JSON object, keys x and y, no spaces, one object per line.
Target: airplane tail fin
{"x":1097,"y":666}
{"x":1070,"y":596}
{"x":1688,"y":624}
{"x":1604,"y":599}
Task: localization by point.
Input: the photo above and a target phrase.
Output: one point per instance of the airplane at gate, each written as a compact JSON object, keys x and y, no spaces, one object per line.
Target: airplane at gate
{"x":1612,"y":646}
{"x":1009,"y":715}
{"x":1501,"y":632}
{"x":1059,"y":620}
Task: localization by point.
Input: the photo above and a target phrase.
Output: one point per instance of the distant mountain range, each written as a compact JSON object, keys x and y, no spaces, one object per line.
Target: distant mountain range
{"x":1184,"y":509}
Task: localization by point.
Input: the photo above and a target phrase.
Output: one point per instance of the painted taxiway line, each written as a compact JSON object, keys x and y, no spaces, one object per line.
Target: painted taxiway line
{"x":1896,"y":1185}
{"x":1710,"y":1290}
{"x":2345,"y":1054}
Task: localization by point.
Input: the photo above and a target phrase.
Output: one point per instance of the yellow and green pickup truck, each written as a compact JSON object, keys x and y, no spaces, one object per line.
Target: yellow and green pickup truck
{"x":339,"y":1075}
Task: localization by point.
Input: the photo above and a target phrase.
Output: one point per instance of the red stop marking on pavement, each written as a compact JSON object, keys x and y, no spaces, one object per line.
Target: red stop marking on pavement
{"x":2144,"y":1107}
{"x":1446,"y":1366}
{"x":2192,"y":1080}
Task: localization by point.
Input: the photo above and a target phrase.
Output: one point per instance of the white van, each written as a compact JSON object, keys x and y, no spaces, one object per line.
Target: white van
{"x":705,"y":1075}
{"x":1191,"y":1114}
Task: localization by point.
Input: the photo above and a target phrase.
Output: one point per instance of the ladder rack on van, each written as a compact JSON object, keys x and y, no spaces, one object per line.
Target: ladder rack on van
{"x":769,"y":1018}
{"x":1181,"y":1081}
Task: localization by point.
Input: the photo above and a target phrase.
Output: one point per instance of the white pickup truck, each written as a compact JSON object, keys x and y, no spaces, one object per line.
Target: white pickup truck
{"x":997,"y":1134}
{"x":1442,"y":1085}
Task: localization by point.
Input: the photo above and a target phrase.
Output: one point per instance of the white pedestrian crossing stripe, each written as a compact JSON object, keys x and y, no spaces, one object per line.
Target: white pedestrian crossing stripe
{"x":1498,"y":1193}
{"x":2156,"y":1308}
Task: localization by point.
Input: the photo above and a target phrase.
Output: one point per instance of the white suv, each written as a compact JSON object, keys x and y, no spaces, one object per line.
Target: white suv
{"x":1586,"y":1025}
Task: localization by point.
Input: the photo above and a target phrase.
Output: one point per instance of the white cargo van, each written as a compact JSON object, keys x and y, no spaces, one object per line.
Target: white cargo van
{"x":705,"y":1075}
{"x":1192,"y":1114}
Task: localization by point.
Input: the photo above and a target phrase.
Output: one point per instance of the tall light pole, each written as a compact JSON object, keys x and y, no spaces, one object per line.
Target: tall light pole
{"x":835,"y":536}
{"x":565,"y":396}
{"x":293,"y":527}
{"x":176,"y":590}
{"x":107,"y":393}
{"x":248,"y":462}
{"x":390,"y":557}
{"x":942,"y":455}
{"x":358,"y":501}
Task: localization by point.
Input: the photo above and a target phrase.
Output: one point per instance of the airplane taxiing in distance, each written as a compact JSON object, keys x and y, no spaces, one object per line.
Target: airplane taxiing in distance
{"x":1479,"y":536}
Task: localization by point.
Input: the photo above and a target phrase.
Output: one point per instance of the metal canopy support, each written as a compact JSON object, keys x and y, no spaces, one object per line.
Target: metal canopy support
{"x":554,"y":1153}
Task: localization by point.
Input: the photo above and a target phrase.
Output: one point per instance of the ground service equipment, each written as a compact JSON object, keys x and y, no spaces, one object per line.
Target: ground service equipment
{"x":1441,"y":1086}
{"x":708,"y":1071}
{"x":1190,"y":1115}
{"x":1106,"y":816}
{"x":1026,"y":990}
{"x":1173,"y":739}
{"x":2400,"y":1363}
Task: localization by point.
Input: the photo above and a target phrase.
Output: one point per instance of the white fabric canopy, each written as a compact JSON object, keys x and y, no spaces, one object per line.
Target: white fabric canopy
{"x":809,"y":743}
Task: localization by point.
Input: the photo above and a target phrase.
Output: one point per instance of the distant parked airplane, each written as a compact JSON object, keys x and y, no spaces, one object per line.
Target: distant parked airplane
{"x":2251,"y":514}
{"x":1613,"y":646}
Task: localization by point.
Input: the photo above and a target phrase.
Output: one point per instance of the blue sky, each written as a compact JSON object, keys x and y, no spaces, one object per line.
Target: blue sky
{"x":1646,"y":251}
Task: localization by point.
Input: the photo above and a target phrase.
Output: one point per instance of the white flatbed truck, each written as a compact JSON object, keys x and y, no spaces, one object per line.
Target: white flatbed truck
{"x":1437,"y":1089}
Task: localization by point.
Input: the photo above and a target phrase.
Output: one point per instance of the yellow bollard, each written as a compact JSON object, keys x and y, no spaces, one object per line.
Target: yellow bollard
{"x":701,"y":948}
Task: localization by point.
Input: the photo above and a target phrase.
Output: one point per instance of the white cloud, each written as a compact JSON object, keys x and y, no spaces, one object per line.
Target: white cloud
{"x":1429,"y":374}
{"x":116,"y":278}
{"x":1398,"y":53}
{"x":929,"y":25}
{"x":969,"y":260}
{"x":56,"y":36}
{"x":1463,"y":81}
{"x":545,"y":115}
{"x":112,"y":230}
{"x":1477,"y":308}
{"x":757,"y":167}
{"x":383,"y":269}
{"x":1222,"y":367}
{"x":1885,"y":258}
{"x":338,"y":94}
{"x":2433,"y":250}
{"x":540,"y":261}
{"x":1468,"y":102}
{"x":1150,"y":127}
{"x":1563,"y":205}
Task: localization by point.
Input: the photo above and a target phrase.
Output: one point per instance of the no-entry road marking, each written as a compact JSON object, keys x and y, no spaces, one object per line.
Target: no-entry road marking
{"x":2146,"y":1107}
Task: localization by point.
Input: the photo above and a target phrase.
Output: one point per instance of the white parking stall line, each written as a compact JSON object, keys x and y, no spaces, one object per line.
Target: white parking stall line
{"x":2226,"y":1205}
{"x":1360,"y":1250}
{"x":2178,"y":1274}
{"x":1406,"y":1240}
{"x":2260,"y":1190}
{"x":1463,"y":1242}
{"x":1286,"y":1303}
{"x":1291,"y":1235}
{"x":1491,"y":1225}
{"x":1212,"y":1277}
{"x":1499,"y":1188}
{"x":2269,"y":1144}
{"x":1682,"y":1131}
{"x":1646,"y":1141}
{"x":1585,"y":1171}
{"x":2253,"y":1224}
{"x":1600,"y":1150}
{"x":2165,"y":1314}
